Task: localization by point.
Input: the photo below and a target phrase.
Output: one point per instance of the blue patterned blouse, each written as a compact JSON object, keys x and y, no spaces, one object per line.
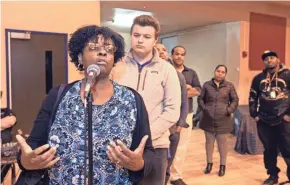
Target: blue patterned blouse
{"x":116,"y":119}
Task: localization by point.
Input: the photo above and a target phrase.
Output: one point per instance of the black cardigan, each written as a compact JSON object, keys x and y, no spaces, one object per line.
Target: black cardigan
{"x":46,"y":115}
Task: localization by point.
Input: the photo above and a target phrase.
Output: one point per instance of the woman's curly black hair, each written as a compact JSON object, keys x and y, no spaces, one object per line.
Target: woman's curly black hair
{"x":80,"y":38}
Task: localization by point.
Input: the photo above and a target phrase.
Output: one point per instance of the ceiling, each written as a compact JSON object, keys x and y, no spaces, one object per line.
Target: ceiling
{"x":180,"y":15}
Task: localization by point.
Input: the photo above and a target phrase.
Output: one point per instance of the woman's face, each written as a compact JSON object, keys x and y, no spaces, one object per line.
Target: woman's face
{"x":220,"y":73}
{"x":100,"y":53}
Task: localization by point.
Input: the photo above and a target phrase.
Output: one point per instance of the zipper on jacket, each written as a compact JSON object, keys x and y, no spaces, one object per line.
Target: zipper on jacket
{"x":138,"y":81}
{"x":144,"y":81}
{"x":140,"y":68}
{"x":215,"y":102}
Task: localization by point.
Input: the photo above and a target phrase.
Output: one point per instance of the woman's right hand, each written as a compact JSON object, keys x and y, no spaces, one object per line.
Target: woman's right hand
{"x":38,"y":158}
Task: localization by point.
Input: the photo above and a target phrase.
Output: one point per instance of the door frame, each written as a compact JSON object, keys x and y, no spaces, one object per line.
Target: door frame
{"x":8,"y":58}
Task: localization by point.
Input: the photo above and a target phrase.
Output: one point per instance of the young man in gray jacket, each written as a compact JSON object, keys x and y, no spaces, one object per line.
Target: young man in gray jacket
{"x":158,"y":84}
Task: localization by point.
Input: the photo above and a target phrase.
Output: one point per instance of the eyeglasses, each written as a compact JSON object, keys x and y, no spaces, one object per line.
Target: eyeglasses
{"x":108,"y":47}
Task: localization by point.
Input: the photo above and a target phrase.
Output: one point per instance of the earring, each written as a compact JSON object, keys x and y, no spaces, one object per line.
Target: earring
{"x":79,"y":65}
{"x":80,"y":59}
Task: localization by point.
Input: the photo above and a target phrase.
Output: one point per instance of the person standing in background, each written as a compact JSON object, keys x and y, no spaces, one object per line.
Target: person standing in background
{"x":175,"y":129}
{"x":218,"y":101}
{"x":157,"y":82}
{"x":269,"y":104}
{"x":193,"y":89}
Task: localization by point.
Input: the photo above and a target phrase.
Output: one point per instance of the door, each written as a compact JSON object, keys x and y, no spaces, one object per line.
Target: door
{"x":38,"y":62}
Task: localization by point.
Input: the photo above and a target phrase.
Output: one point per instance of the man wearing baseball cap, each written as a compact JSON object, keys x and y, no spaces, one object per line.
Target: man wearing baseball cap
{"x":269,"y":104}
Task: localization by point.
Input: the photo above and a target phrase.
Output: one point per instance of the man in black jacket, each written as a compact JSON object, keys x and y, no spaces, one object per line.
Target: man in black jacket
{"x":270,"y":106}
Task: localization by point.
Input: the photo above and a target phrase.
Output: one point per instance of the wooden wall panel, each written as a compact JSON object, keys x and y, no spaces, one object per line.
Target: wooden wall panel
{"x":266,"y":33}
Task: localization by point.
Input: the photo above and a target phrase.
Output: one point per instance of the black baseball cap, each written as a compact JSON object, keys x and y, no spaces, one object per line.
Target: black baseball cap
{"x":269,"y":53}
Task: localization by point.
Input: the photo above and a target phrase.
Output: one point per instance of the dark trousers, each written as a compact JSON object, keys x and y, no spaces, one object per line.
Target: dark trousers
{"x":174,"y":139}
{"x":275,"y":138}
{"x":157,"y":174}
{"x":4,"y":171}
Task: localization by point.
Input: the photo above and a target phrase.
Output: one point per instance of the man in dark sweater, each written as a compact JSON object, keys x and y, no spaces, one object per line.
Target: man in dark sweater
{"x":270,"y":106}
{"x":193,"y":89}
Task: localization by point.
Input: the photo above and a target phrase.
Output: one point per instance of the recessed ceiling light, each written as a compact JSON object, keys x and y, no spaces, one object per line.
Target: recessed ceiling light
{"x":125,"y":17}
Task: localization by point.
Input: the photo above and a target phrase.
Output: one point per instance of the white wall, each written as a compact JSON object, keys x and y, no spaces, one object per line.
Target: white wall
{"x":233,"y":52}
{"x":169,"y":43}
{"x":209,"y":46}
{"x":127,"y":40}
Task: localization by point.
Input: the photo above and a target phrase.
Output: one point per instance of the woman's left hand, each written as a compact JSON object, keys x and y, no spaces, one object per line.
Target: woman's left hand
{"x":121,"y":155}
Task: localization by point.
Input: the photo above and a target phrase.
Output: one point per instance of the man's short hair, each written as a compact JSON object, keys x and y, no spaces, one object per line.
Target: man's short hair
{"x":147,"y":20}
{"x":173,"y":49}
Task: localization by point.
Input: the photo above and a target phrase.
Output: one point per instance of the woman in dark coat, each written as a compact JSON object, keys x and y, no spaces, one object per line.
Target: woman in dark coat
{"x":218,"y":101}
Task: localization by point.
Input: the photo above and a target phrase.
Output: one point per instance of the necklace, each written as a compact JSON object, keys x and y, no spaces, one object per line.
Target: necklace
{"x":273,"y":92}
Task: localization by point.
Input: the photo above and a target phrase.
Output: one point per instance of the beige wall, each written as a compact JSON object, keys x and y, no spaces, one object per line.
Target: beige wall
{"x":233,"y":52}
{"x":206,"y":48}
{"x":60,"y":17}
{"x":127,"y":40}
{"x":209,"y":46}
